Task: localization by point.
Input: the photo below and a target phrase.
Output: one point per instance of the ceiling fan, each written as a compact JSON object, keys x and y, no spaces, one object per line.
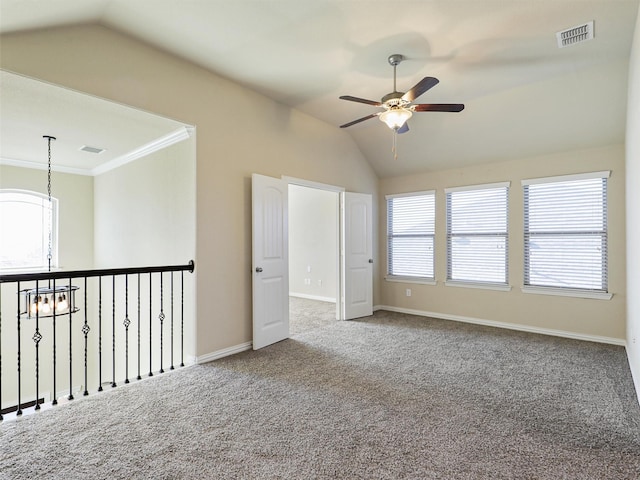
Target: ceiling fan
{"x":399,"y":106}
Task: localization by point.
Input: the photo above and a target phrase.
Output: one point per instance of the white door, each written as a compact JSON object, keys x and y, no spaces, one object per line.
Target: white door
{"x":357,"y":255}
{"x":270,"y":268}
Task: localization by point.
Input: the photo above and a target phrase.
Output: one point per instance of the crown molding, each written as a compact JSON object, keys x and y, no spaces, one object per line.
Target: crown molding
{"x":156,"y":145}
{"x":12,"y":162}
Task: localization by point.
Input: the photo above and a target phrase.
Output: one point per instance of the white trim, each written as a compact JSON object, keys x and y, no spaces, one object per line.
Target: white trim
{"x":484,"y":286}
{"x":225,"y":352}
{"x":635,"y":374}
{"x":561,"y":292}
{"x":312,"y":297}
{"x":410,"y":194}
{"x":508,"y":326}
{"x":172,"y":138}
{"x":484,"y":186}
{"x":419,"y":280}
{"x":12,"y":162}
{"x":567,"y":178}
{"x":308,"y":183}
{"x":161,"y":143}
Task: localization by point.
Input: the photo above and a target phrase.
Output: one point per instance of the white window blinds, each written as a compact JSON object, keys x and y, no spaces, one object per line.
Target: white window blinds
{"x":410,"y":234}
{"x":565,"y":232}
{"x":477,"y":234}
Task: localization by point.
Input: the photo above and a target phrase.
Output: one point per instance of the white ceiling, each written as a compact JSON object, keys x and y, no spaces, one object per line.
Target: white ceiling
{"x":523,"y":95}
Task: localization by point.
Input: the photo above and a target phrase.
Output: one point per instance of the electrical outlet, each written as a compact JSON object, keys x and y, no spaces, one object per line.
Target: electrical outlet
{"x":408,"y":292}
{"x":308,"y":268}
{"x":307,"y":281}
{"x":319,"y":283}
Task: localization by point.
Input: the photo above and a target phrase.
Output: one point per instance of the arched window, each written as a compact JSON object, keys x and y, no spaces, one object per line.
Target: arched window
{"x":27,"y":224}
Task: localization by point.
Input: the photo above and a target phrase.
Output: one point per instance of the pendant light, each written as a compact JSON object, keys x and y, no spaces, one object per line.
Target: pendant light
{"x":49,"y":301}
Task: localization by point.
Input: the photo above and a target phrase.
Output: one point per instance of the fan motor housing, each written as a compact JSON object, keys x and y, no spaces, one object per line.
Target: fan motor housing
{"x":394,"y":99}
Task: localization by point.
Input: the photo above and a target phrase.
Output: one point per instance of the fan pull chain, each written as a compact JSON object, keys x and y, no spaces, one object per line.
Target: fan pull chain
{"x":394,"y":148}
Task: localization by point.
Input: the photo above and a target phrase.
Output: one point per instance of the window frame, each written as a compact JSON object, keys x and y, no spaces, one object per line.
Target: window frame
{"x":468,"y":283}
{"x":41,"y":200}
{"x":424,"y":279}
{"x":572,"y":291}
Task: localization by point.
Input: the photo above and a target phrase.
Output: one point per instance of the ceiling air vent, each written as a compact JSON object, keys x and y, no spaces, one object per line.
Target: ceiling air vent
{"x":573,"y":35}
{"x":86,"y":148}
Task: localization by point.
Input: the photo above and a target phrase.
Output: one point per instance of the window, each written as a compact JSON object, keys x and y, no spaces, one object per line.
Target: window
{"x":410,"y":235}
{"x":565,"y":232}
{"x":25,"y":222}
{"x":477,"y":236}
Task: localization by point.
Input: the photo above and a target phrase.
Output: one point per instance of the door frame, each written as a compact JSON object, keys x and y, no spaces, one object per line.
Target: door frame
{"x":339,"y":191}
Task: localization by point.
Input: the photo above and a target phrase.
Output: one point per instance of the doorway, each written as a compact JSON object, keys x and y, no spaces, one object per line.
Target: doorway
{"x":314,"y":256}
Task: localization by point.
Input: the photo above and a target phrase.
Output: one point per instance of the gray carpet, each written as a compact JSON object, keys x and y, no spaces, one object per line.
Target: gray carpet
{"x":306,"y":315}
{"x":389,"y":397}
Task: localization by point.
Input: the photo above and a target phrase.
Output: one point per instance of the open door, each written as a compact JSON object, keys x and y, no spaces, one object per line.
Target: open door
{"x":270,"y":265}
{"x":357,"y":257}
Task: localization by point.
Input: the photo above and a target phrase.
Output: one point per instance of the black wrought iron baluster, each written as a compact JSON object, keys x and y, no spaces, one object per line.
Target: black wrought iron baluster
{"x":182,"y":320}
{"x":70,"y":397}
{"x":139,"y":377}
{"x":172,"y":367}
{"x":113,"y":331}
{"x":37,"y":336}
{"x":54,"y":352}
{"x":126,"y":323}
{"x":99,"y":334}
{"x":161,"y":317}
{"x":19,"y":411}
{"x":1,"y":418}
{"x":85,"y":331}
{"x":150,"y":325}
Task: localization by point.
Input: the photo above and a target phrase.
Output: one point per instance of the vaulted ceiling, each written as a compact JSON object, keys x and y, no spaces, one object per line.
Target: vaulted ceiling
{"x":523,"y":95}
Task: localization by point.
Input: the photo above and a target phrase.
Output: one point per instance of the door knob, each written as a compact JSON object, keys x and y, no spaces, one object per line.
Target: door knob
{"x":258,"y":269}
{"x":371,"y":260}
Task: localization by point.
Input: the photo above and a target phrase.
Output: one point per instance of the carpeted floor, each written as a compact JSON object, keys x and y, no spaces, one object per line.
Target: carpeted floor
{"x":306,"y":315}
{"x":392,"y":396}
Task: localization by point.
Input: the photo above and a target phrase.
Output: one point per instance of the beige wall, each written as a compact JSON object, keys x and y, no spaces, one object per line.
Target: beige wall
{"x":585,"y":317}
{"x":145,"y":215}
{"x":255,"y":134}
{"x":145,"y":210}
{"x":313,"y":242}
{"x":633,"y":210}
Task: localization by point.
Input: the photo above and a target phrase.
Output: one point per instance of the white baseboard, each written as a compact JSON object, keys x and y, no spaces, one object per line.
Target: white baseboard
{"x":225,"y":352}
{"x":312,"y":297}
{"x":635,"y":373}
{"x":509,"y":326}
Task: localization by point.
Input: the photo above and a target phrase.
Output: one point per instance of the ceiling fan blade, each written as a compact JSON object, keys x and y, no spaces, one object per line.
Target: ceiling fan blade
{"x":438,"y":107}
{"x":419,"y":88}
{"x":359,"y":120}
{"x":360,"y":100}
{"x":404,"y":128}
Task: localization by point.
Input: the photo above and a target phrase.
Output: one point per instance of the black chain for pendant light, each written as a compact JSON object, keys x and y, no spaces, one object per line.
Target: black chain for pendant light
{"x":50,"y":252}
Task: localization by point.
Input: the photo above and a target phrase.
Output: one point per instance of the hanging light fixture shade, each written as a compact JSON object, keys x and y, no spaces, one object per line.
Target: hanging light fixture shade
{"x":395,"y":118}
{"x":47,"y":301}
{"x":51,"y":300}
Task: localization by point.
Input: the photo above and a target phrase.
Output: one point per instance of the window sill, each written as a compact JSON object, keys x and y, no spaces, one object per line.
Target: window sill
{"x":567,"y":293}
{"x":483,"y":286}
{"x":419,"y":280}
